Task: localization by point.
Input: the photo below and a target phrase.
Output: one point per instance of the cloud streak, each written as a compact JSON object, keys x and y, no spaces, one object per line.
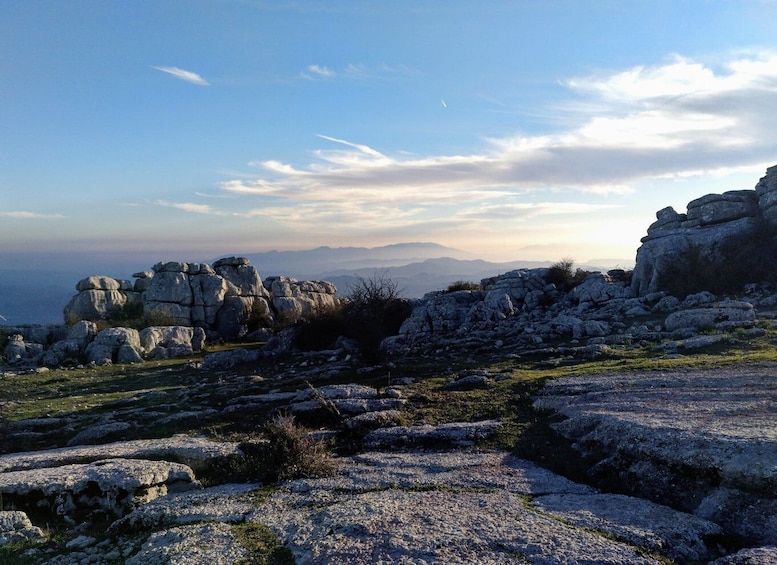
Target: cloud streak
{"x":182,"y":74}
{"x":677,"y":119}
{"x":357,"y":71}
{"x":25,"y":215}
{"x":191,"y":207}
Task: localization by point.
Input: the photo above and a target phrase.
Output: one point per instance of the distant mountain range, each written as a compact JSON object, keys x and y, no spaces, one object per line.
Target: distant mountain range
{"x":38,"y":296}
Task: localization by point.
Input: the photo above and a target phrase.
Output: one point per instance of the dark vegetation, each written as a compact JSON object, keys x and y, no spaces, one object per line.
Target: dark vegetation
{"x":373,"y":311}
{"x":463,"y":285}
{"x":734,"y":263}
{"x":564,"y":275}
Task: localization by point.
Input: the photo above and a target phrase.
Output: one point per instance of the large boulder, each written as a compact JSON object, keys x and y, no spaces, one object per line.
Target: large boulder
{"x":101,"y":298}
{"x":161,"y":342}
{"x":293,"y":299}
{"x":723,"y":242}
{"x":108,"y":343}
{"x":766,"y":189}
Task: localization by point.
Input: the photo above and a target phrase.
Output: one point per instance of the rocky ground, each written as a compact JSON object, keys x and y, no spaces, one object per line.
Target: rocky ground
{"x":680,"y":466}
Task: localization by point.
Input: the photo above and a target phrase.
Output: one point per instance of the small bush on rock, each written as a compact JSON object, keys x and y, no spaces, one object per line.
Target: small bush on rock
{"x":286,"y":452}
{"x":292,"y":454}
{"x":463,"y":285}
{"x":564,"y":276}
{"x":374,"y":310}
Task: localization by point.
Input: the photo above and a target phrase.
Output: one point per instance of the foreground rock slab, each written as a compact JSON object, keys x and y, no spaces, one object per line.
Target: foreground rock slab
{"x":702,"y":441}
{"x":190,"y":450}
{"x":452,"y":507}
{"x":110,"y":486}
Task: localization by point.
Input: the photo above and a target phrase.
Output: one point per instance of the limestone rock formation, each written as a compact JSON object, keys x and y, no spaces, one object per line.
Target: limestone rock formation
{"x":723,"y":241}
{"x":227,"y":300}
{"x":293,"y":299}
{"x":99,"y":297}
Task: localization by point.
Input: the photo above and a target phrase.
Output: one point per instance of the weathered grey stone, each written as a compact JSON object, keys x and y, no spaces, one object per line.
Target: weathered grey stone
{"x":112,"y":485}
{"x":95,"y":304}
{"x":172,"y":339}
{"x":766,"y":189}
{"x":468,"y":382}
{"x":229,"y":503}
{"x":195,"y":543}
{"x":99,"y":433}
{"x":243,"y":277}
{"x":719,"y":208}
{"x":705,"y":318}
{"x":98,"y":283}
{"x":169,"y":286}
{"x":459,"y":434}
{"x":706,"y":439}
{"x":641,"y":523}
{"x":108,"y":342}
{"x":750,"y":556}
{"x":479,"y":516}
{"x":716,"y":232}
{"x":208,"y":292}
{"x":16,"y":527}
{"x":194,"y":451}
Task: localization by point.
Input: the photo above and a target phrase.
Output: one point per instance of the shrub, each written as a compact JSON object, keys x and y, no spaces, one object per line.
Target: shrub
{"x":286,"y":452}
{"x":373,"y":311}
{"x":322,"y":331}
{"x":463,"y":285}
{"x":563,"y":275}
{"x":292,"y":454}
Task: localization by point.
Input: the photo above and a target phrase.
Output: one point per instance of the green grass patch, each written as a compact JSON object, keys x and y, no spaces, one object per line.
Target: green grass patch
{"x":263,"y":545}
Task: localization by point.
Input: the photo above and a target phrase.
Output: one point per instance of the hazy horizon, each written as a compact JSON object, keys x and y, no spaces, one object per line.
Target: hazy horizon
{"x":141,"y":131}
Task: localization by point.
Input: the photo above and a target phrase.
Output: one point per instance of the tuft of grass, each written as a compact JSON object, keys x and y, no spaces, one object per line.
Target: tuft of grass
{"x":263,"y":545}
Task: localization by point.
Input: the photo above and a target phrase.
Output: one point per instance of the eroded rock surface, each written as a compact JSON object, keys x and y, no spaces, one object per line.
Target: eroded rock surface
{"x":704,"y":441}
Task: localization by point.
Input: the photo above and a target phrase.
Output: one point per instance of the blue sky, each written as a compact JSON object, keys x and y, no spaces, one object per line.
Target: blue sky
{"x":191,"y":129}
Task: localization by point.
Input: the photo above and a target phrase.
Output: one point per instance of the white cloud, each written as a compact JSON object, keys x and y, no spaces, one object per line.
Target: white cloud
{"x":191,"y":207}
{"x":182,"y":74}
{"x":25,"y":215}
{"x":358,"y":71}
{"x":321,"y":71}
{"x":626,"y":127}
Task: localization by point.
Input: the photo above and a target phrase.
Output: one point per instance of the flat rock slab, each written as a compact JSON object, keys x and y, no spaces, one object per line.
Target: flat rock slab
{"x":224,"y":503}
{"x":191,"y":450}
{"x":211,"y":544}
{"x":445,"y":507}
{"x":453,"y":470}
{"x":660,"y":529}
{"x":704,"y":441}
{"x":112,"y":485}
{"x":395,"y":526}
{"x":458,"y":434}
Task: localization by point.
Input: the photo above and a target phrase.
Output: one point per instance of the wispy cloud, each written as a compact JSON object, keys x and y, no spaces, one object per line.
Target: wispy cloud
{"x":625,"y":127}
{"x":182,"y":74}
{"x":320,"y":71}
{"x":358,"y":71}
{"x":24,"y":215}
{"x":191,"y":207}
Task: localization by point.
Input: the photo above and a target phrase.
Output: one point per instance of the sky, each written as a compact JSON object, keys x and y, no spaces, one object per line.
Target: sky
{"x":142,"y":130}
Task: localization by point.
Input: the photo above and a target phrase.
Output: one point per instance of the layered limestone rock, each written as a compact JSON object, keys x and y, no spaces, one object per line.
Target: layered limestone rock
{"x":293,"y":299}
{"x":227,"y":300}
{"x":98,"y":297}
{"x":722,"y":239}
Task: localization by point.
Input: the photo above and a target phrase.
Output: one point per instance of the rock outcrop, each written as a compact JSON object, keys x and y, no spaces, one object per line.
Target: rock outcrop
{"x":723,"y":241}
{"x":227,"y":300}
